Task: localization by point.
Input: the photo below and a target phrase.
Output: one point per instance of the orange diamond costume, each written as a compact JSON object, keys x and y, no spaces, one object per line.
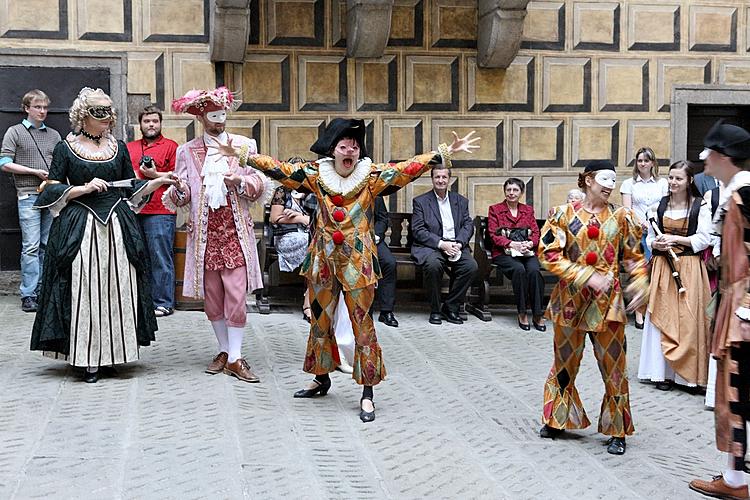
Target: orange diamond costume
{"x":574,"y":244}
{"x":343,"y":254}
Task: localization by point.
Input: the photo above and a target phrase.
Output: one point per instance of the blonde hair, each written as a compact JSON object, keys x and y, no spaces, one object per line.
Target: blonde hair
{"x":79,"y":110}
{"x":31,"y":95}
{"x":651,"y":156}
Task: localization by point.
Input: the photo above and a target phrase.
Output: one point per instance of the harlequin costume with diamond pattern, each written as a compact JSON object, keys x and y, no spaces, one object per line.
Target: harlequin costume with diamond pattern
{"x":574,"y":244}
{"x":343,"y":252}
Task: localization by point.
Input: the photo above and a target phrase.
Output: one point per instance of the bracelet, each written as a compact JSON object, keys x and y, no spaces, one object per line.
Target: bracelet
{"x":445,"y":154}
{"x":244,"y":153}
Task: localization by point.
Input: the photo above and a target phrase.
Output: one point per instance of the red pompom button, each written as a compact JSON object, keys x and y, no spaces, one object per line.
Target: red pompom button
{"x":337,"y":200}
{"x":338,"y":237}
{"x":592,"y":232}
{"x":591,"y":258}
{"x":338,"y":215}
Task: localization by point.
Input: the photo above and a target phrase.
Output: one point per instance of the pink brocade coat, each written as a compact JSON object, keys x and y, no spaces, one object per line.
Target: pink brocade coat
{"x":190,"y":157}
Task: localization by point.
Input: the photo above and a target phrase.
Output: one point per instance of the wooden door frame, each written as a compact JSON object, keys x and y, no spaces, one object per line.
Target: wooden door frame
{"x":115,"y":62}
{"x":708,"y":95}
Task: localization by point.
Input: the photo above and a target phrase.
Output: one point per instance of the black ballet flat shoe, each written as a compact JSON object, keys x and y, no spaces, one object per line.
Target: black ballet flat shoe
{"x":664,"y":386}
{"x":616,"y":445}
{"x":366,"y":416}
{"x":548,"y":432}
{"x":525,"y":327}
{"x":90,"y":378}
{"x":321,"y":388}
{"x":639,"y":326}
{"x":538,"y":327}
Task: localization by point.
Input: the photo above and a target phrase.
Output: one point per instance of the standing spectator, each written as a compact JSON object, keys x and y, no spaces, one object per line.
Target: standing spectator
{"x":221,"y":260}
{"x":705,"y":183}
{"x":153,"y":156}
{"x":27,"y":154}
{"x":95,"y":307}
{"x":640,"y":192}
{"x":442,"y":228}
{"x":727,"y":148}
{"x":584,"y":245}
{"x":515,"y":237}
{"x":675,"y":334}
{"x":386,"y":291}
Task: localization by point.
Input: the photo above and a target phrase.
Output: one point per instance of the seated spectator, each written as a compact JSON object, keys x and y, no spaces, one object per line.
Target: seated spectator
{"x":574,"y":195}
{"x":291,"y":213}
{"x":442,"y":228}
{"x":515,"y":236}
{"x":386,"y":291}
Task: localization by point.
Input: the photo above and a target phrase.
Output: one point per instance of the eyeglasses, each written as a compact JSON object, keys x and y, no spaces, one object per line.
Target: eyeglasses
{"x":100,"y":112}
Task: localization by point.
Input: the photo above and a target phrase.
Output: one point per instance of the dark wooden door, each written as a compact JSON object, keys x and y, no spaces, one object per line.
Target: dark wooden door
{"x":700,"y":120}
{"x":62,"y":86}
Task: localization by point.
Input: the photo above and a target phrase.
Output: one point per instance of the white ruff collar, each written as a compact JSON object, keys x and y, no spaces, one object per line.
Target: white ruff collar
{"x":336,"y":184}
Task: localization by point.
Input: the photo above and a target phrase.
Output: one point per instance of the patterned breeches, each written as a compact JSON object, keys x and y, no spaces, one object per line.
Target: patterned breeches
{"x":733,"y":403}
{"x":322,"y":352}
{"x":562,"y":404}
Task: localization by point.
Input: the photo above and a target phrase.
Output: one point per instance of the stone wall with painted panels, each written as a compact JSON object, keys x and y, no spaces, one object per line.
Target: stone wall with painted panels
{"x":593,"y":79}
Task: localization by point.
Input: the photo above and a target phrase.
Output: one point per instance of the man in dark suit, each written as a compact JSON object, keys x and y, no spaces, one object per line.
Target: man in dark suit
{"x":442,"y":229}
{"x":386,"y":291}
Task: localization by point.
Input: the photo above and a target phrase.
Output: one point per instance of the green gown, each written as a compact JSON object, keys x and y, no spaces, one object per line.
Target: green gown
{"x":95,"y":276}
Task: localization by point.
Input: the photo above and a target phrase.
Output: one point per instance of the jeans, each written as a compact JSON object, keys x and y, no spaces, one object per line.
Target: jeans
{"x":35,"y":224}
{"x":159,"y":233}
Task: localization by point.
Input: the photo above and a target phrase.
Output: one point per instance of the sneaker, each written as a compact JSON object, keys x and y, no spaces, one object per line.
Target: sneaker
{"x":28,"y":304}
{"x":719,"y":489}
{"x":163,"y":311}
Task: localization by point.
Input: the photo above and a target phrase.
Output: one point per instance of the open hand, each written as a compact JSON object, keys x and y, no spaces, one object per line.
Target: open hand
{"x":465,"y":144}
{"x":223,"y":149}
{"x":232,"y":179}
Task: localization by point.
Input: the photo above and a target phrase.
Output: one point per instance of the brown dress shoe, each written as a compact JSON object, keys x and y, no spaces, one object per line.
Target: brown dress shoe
{"x":241,"y":370}
{"x":719,"y":489}
{"x":218,"y":363}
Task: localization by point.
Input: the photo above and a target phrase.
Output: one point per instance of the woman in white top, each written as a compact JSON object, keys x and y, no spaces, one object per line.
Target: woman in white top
{"x":675,"y":336}
{"x":641,"y":192}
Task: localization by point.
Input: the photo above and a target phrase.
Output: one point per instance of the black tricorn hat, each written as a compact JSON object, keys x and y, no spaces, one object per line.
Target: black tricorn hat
{"x":729,"y":140}
{"x":337,"y":129}
{"x":595,"y":165}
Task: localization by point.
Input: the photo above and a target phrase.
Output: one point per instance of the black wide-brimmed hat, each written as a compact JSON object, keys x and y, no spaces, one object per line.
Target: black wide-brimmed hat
{"x":337,"y":129}
{"x":729,"y":140}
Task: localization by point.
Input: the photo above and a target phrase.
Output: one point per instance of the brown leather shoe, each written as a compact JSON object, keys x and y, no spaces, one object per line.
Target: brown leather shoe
{"x":719,"y":489}
{"x":218,"y":363}
{"x":241,"y":370}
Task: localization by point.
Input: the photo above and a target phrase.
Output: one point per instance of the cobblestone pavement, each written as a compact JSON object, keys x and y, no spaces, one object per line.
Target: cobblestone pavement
{"x":457,"y":418}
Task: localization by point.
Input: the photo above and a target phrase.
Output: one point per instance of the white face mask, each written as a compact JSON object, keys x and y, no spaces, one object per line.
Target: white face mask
{"x":606,"y":178}
{"x":217,"y":116}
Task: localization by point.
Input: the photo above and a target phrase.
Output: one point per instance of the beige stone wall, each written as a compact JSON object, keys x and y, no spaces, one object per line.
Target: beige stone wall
{"x":592,"y":79}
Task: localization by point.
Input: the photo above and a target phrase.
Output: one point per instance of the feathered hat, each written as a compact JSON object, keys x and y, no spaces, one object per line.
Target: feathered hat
{"x":200,"y":102}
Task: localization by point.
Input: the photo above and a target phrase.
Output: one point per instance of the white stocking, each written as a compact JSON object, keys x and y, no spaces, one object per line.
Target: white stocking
{"x":733,"y":478}
{"x":220,"y":329}
{"x":235,"y":343}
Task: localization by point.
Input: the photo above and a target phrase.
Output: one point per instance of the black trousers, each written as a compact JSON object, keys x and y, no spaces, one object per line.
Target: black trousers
{"x":461,"y":272}
{"x":528,"y":284}
{"x":386,"y":291}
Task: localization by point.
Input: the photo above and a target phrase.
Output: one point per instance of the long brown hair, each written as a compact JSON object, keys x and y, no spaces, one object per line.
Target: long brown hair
{"x":692,"y":189}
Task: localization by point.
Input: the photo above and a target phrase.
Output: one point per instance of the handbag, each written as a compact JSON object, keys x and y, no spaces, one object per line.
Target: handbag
{"x":516,"y":234}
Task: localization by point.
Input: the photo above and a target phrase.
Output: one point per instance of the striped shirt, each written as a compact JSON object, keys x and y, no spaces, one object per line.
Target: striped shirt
{"x":19,"y":147}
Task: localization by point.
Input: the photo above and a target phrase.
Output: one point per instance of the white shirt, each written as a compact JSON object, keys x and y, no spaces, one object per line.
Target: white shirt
{"x":702,"y":237}
{"x":449,"y":228}
{"x":644,"y":194}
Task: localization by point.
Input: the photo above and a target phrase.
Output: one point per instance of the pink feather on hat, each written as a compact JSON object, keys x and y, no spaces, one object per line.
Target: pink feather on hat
{"x":199,"y":102}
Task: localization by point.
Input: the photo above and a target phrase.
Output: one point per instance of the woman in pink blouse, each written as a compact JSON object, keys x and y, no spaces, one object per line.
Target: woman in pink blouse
{"x":515,"y":236}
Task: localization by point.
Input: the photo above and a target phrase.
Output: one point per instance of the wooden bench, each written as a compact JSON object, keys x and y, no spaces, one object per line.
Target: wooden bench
{"x":399,"y":238}
{"x":479,"y":295}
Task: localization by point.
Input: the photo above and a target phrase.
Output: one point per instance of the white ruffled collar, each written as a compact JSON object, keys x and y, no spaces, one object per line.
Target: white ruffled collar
{"x":336,"y":184}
